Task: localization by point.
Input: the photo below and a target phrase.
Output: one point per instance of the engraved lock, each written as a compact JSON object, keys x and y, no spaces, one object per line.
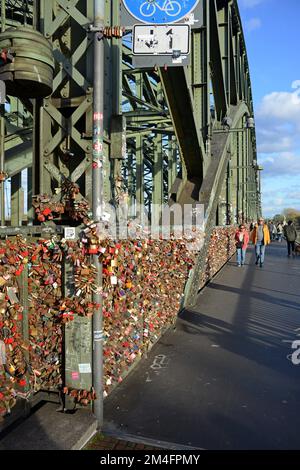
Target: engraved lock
{"x":93,"y":248}
{"x":11,"y":369}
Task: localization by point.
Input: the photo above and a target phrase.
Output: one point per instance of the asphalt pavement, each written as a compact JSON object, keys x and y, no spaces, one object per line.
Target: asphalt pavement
{"x":224,"y":379}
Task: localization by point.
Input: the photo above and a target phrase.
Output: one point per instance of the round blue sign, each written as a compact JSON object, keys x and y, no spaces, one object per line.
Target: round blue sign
{"x":160,"y":11}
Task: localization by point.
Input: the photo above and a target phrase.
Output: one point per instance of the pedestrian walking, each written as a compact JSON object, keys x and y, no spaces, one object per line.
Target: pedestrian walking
{"x":270,"y":228}
{"x":290,"y":234}
{"x":242,"y":242}
{"x":260,"y":237}
{"x":279,"y":232}
{"x":273,"y":231}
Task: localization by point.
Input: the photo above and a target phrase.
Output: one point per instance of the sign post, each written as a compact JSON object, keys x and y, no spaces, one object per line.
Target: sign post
{"x":161,"y":30}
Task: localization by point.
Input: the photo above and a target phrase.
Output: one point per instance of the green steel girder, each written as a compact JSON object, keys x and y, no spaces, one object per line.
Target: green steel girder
{"x":223,"y":145}
{"x":175,"y":150}
{"x":217,"y":71}
{"x":159,"y":105}
{"x":18,"y":158}
{"x":187,"y":132}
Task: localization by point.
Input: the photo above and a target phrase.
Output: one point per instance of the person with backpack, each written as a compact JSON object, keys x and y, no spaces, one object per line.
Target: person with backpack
{"x":290,"y":234}
{"x":242,"y":241}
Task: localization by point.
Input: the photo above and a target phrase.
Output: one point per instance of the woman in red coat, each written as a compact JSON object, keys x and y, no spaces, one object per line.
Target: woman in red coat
{"x":242,"y":242}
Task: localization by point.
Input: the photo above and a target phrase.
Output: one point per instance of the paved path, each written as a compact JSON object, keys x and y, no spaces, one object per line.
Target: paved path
{"x":222,"y":379}
{"x":46,"y":429}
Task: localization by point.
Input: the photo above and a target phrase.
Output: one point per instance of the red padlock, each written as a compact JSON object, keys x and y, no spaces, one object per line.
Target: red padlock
{"x":41,"y":218}
{"x":46,"y":211}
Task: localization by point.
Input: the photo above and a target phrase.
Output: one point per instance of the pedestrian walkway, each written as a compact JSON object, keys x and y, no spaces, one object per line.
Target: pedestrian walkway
{"x":48,"y":429}
{"x":224,"y":378}
{"x":101,"y":442}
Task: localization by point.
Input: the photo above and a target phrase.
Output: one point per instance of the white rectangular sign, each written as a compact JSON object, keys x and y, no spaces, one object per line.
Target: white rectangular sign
{"x":85,"y":368}
{"x":69,"y":233}
{"x":171,"y":40}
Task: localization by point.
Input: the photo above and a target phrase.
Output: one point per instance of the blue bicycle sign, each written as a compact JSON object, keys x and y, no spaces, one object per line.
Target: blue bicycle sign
{"x":160,"y":11}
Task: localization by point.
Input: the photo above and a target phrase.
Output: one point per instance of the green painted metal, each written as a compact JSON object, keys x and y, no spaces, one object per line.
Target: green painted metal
{"x":17,"y":200}
{"x":173,"y":116}
{"x":2,"y":163}
{"x":30,"y":74}
{"x":218,"y":58}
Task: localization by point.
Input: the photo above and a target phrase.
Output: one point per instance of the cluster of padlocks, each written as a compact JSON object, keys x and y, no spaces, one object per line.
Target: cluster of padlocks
{"x":143,"y":278}
{"x":143,"y":284}
{"x":222,"y":247}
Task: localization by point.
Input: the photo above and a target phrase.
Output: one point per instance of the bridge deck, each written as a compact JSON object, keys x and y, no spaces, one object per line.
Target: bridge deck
{"x":222,"y":379}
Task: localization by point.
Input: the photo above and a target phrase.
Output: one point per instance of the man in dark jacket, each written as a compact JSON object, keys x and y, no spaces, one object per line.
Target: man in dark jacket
{"x":290,"y":234}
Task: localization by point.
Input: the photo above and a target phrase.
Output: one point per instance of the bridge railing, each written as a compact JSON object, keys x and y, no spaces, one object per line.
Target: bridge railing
{"x":143,"y":286}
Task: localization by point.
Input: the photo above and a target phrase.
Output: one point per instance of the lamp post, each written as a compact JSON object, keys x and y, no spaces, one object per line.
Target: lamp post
{"x":227,"y":122}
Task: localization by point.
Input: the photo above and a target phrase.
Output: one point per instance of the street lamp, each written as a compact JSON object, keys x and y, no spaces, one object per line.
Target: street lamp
{"x":227,"y":123}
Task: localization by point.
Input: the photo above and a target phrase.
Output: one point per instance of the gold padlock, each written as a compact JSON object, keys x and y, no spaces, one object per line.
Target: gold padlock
{"x":10,"y":369}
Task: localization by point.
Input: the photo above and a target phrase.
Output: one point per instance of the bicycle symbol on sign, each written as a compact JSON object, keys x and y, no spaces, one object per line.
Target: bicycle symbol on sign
{"x":170,"y":7}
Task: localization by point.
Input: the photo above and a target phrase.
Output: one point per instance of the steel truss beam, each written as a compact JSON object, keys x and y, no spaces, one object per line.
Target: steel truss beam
{"x":171,"y":115}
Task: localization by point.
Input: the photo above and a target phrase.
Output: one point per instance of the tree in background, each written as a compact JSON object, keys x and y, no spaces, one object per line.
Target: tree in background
{"x":286,"y":215}
{"x":292,"y":214}
{"x":278,"y":218}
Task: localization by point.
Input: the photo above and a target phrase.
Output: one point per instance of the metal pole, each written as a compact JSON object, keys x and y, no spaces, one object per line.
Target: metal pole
{"x":2,"y":164}
{"x":3,"y":16}
{"x":2,"y":134}
{"x":97,"y":201}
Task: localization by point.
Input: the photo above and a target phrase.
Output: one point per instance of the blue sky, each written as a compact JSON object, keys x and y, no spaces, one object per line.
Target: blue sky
{"x":271,"y":29}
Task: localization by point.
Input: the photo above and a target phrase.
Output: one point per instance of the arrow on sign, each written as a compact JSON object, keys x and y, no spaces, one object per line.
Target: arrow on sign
{"x":170,"y":33}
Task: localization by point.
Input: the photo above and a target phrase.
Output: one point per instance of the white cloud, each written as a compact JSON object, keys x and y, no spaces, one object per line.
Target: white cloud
{"x":250,"y":3}
{"x":270,"y":141}
{"x":295,"y":195}
{"x":278,"y":130}
{"x":296,"y":84}
{"x":278,"y":139}
{"x":282,"y":106}
{"x":278,"y":194}
{"x":281,"y":164}
{"x":252,"y":24}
